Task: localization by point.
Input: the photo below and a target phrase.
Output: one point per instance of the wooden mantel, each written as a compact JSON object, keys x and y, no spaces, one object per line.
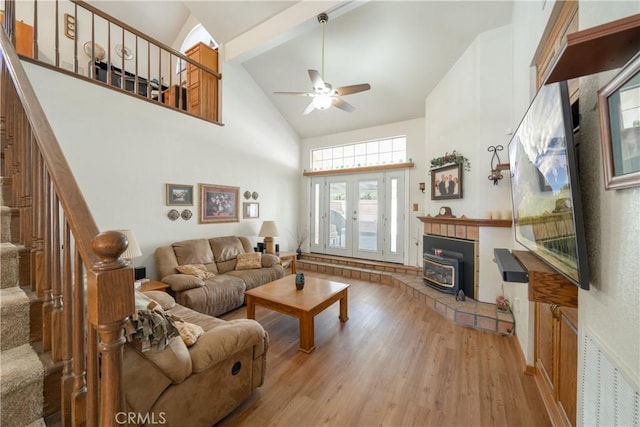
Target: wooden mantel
{"x":463,"y":220}
{"x":461,"y":228}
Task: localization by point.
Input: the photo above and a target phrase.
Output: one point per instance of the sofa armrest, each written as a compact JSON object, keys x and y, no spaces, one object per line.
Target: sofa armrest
{"x":223,"y":341}
{"x":182,"y":282}
{"x":269,"y":260}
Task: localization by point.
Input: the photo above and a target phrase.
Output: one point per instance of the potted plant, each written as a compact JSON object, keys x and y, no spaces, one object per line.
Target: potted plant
{"x":300,"y":237}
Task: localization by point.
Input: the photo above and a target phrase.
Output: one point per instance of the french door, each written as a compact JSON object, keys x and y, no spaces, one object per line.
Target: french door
{"x":360,"y":216}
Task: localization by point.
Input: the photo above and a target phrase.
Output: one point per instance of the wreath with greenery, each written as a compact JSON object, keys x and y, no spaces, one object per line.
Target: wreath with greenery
{"x":451,"y":158}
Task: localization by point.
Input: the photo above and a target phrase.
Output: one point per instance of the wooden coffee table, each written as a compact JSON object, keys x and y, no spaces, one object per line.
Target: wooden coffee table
{"x":282,"y":296}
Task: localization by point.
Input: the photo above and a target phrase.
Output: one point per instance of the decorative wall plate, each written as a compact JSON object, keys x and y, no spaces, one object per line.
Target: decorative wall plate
{"x":173,"y":214}
{"x":247,"y":194}
{"x":124,"y":52}
{"x":89,"y":50}
{"x":186,"y":214}
{"x":255,"y":195}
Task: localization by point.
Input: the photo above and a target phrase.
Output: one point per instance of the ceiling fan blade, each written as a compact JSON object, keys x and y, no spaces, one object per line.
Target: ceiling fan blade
{"x":309,"y":108}
{"x":343,"y":105}
{"x":348,"y":90}
{"x":294,"y":93}
{"x":316,"y":80}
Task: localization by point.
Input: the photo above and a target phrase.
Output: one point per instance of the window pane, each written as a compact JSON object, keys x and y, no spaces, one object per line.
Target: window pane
{"x":326,"y":154}
{"x":361,"y":149}
{"x":316,"y":155}
{"x":386,"y":158}
{"x":348,"y":150}
{"x":337,"y":152}
{"x":372,"y":147}
{"x":372,"y":159}
{"x":316,"y":214}
{"x":400,"y":144}
{"x":361,"y":160}
{"x":386,"y":145}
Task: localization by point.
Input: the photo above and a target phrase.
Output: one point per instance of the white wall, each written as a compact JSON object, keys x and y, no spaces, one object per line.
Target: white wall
{"x":123,"y":150}
{"x":468,"y":111}
{"x":414,"y":130}
{"x":610,"y":310}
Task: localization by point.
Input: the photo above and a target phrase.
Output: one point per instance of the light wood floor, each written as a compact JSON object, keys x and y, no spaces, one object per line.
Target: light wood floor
{"x":394,"y":363}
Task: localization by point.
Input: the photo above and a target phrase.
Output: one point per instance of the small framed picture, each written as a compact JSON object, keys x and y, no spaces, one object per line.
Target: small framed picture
{"x":250,"y":210}
{"x":446,"y":182}
{"x":218,"y":203}
{"x":179,"y":195}
{"x":619,"y":110}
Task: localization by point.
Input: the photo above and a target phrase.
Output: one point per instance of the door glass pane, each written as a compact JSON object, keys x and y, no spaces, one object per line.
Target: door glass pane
{"x":316,"y":214}
{"x":337,"y":209}
{"x":393,"y":216}
{"x":368,"y":215}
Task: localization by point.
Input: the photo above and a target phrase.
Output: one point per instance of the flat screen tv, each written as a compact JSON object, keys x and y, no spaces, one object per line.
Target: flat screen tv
{"x":547,"y":206}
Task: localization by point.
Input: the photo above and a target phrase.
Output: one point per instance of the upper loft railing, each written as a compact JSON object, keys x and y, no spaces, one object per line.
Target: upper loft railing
{"x":83,"y":291}
{"x":76,"y":38}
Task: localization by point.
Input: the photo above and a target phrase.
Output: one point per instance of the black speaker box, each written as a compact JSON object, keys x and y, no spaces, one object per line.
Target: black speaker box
{"x":139,"y":273}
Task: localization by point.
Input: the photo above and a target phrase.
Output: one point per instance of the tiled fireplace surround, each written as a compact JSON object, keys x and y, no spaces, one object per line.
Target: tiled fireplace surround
{"x":480,"y":315}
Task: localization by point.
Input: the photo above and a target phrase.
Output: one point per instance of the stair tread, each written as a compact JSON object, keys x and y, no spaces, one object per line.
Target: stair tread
{"x":20,"y":366}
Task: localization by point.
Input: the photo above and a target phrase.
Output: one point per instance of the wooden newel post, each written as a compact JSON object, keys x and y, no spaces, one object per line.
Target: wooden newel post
{"x":110,"y":302}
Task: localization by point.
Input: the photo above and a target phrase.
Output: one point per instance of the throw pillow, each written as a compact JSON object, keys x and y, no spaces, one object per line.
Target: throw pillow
{"x":189,"y":332}
{"x":197,"y":270}
{"x":249,"y":261}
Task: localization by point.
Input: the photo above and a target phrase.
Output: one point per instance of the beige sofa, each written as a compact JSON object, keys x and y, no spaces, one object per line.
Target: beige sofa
{"x":219,"y":255}
{"x":197,"y":385}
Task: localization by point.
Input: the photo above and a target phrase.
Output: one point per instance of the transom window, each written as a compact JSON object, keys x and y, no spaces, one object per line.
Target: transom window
{"x":361,"y":154}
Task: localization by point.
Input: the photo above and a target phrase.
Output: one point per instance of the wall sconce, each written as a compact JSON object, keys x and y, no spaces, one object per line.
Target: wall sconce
{"x":421,"y":186}
{"x":496,"y":166}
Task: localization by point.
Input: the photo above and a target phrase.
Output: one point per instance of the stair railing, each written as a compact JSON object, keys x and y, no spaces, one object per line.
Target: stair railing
{"x":76,"y":38}
{"x":70,"y":261}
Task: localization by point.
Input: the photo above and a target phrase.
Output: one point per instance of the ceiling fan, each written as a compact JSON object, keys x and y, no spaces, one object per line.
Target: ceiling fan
{"x":323,"y":95}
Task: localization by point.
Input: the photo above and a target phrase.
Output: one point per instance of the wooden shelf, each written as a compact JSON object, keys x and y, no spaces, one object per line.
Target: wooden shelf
{"x":505,"y":223}
{"x":601,"y":48}
{"x":545,"y":284}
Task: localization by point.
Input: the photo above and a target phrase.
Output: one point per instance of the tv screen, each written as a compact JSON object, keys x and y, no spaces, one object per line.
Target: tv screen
{"x":547,"y":207}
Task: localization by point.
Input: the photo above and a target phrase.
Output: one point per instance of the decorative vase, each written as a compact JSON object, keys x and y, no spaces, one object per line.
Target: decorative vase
{"x":299,"y":253}
{"x":299,"y":281}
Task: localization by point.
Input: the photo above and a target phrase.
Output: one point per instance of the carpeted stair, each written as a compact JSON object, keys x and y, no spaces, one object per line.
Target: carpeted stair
{"x":21,"y":372}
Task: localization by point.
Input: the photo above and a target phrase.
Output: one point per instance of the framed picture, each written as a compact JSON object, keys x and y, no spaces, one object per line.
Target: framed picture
{"x":446,"y":182}
{"x":218,"y":203}
{"x":179,"y":195}
{"x":619,"y":109}
{"x":250,"y":210}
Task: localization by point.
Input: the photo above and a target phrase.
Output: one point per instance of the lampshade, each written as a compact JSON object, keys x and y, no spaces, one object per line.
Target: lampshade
{"x":268,"y":229}
{"x":133,"y":250}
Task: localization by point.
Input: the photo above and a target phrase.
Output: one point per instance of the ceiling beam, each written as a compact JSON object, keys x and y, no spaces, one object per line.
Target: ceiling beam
{"x":288,"y":24}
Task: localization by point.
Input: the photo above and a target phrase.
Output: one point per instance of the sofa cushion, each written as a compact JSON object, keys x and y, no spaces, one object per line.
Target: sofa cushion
{"x":182,"y":282}
{"x":249,"y":261}
{"x":196,"y":251}
{"x":229,"y":338}
{"x":165,"y":300}
{"x":197,"y":270}
{"x":189,"y":332}
{"x":258,"y":276}
{"x":219,"y":295}
{"x":225,"y":251}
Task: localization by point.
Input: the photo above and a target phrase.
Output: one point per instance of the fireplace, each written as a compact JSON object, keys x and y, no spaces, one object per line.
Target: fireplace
{"x":445,"y":250}
{"x":443,"y":271}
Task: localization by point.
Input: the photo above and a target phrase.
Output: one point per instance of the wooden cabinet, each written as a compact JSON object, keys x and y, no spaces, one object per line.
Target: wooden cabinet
{"x":24,"y":38}
{"x":556,"y":354}
{"x":202,"y":87}
{"x":555,"y":338}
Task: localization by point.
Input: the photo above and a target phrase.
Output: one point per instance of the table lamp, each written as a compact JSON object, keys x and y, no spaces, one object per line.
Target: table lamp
{"x":269,"y":230}
{"x":133,"y":249}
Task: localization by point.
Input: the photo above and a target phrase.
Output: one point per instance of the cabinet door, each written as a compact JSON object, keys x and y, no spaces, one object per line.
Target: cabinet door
{"x":545,"y":343}
{"x":567,"y":364}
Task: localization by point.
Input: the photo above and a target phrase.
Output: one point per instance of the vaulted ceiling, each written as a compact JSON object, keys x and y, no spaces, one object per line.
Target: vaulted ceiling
{"x":402,"y":48}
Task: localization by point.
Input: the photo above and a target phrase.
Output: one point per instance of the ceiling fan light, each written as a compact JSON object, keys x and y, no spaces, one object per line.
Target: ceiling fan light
{"x":322,"y":102}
